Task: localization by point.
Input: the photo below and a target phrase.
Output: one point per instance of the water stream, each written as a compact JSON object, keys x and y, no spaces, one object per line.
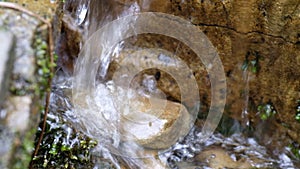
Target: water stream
{"x":183,"y":154}
{"x":96,"y":113}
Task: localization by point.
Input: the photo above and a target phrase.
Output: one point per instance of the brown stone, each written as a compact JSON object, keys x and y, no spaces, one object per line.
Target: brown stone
{"x":219,"y":158}
{"x":156,"y":123}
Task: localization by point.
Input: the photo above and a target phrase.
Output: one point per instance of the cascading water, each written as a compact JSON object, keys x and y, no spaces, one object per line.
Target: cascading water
{"x":98,"y":111}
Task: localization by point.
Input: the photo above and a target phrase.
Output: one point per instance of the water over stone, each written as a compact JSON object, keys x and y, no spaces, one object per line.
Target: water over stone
{"x":156,"y":128}
{"x":257,"y":37}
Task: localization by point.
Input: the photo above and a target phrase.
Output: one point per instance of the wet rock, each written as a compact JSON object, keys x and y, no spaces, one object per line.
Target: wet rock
{"x":153,"y":161}
{"x":6,"y":57}
{"x":131,"y":125}
{"x":73,"y":21}
{"x":172,"y":76}
{"x":265,"y":32}
{"x":219,"y":158}
{"x":152,"y":122}
{"x":156,"y":123}
{"x":216,"y":158}
{"x":68,"y":43}
{"x":150,"y":160}
{"x":242,"y":32}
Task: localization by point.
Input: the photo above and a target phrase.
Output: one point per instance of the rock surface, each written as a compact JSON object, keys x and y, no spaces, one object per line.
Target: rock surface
{"x":6,"y":57}
{"x":46,"y":9}
{"x":256,"y":41}
{"x":121,"y":115}
{"x":156,"y":123}
{"x":219,"y":158}
{"x":264,"y":32}
{"x":20,"y":111}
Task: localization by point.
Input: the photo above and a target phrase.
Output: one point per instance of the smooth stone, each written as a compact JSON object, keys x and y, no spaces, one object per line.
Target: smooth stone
{"x":219,"y":158}
{"x":126,"y":116}
{"x":148,"y":159}
{"x":6,"y":62}
{"x":18,"y":113}
{"x":156,"y":123}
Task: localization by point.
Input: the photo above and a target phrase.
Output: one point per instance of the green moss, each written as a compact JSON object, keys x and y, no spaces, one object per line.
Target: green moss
{"x":44,"y":66}
{"x":40,"y":85}
{"x":266,"y":111}
{"x":295,"y":149}
{"x":23,"y":153}
{"x":251,"y":62}
{"x":35,"y":88}
{"x":62,"y":147}
{"x":22,"y":87}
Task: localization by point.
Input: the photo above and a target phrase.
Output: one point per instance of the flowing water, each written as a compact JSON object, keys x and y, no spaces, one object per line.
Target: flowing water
{"x":183,"y":154}
{"x":96,"y":113}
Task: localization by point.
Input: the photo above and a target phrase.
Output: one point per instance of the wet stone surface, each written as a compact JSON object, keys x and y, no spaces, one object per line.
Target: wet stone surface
{"x":156,"y":128}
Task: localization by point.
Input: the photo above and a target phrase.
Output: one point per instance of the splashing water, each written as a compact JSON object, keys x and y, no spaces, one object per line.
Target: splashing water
{"x":180,"y":155}
{"x":100,"y":104}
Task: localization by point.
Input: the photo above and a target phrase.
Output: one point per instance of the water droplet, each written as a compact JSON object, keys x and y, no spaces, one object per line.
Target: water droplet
{"x":213,"y":156}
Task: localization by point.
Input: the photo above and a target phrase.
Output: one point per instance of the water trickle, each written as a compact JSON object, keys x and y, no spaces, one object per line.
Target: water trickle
{"x":245,"y":113}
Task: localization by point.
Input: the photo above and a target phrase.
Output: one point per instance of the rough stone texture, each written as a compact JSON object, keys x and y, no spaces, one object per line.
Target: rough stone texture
{"x":6,"y":57}
{"x":264,"y":30}
{"x":21,"y":110}
{"x":45,"y":9}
